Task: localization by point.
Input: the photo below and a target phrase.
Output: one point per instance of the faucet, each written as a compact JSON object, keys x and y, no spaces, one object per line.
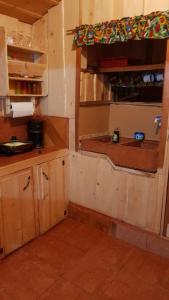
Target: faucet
{"x":157,"y":121}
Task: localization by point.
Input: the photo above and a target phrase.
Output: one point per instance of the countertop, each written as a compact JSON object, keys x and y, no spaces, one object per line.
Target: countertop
{"x":127,"y":153}
{"x":10,"y":164}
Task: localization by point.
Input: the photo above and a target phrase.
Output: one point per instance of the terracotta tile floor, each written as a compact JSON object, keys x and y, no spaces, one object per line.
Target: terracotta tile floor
{"x":76,"y":262}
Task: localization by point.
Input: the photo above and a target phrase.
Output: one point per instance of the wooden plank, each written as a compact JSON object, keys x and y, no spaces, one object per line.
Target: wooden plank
{"x":165,"y":112}
{"x":95,"y":103}
{"x":93,"y":120}
{"x":129,"y":197}
{"x":25,"y":49}
{"x":26,"y":11}
{"x":57,"y":190}
{"x":12,"y":223}
{"x":25,"y":79}
{"x":44,"y":197}
{"x":3,"y":63}
{"x":135,"y":116}
{"x":133,"y":68}
{"x":96,"y":10}
{"x":27,"y":205}
{"x":155,"y":5}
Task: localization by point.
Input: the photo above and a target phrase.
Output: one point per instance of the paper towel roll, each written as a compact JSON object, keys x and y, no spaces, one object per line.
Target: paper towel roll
{"x":22,"y":109}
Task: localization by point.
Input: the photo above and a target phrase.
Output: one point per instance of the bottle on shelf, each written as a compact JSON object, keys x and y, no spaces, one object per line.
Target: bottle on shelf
{"x":116,"y":136}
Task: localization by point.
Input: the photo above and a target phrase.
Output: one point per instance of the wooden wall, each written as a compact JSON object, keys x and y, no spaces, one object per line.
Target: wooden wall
{"x":130,"y":196}
{"x":12,"y":24}
{"x":127,"y":195}
{"x":62,"y":58}
{"x":94,"y":120}
{"x":131,"y":118}
{"x":99,"y":11}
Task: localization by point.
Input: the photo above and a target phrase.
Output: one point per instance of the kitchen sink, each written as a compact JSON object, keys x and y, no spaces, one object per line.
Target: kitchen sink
{"x":142,"y":144}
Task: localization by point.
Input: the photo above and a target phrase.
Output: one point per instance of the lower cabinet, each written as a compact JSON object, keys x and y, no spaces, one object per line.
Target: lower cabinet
{"x":31,"y":202}
{"x":51,"y":193}
{"x":17,"y":210}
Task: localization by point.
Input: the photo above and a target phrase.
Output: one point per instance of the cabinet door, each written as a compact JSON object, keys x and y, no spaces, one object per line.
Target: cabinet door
{"x":44,"y":197}
{"x":27,"y":205}
{"x":18,"y":213}
{"x":51,"y":193}
{"x":57,"y":190}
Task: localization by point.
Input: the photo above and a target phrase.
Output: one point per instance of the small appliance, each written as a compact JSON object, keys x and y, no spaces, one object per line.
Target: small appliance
{"x":35,"y":132}
{"x":15,"y":146}
{"x":139,"y":136}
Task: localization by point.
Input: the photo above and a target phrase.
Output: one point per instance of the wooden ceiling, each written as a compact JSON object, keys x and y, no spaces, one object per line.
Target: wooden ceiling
{"x":27,"y":11}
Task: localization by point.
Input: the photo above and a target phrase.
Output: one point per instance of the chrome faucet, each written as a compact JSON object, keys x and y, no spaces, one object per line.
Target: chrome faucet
{"x":157,"y":121}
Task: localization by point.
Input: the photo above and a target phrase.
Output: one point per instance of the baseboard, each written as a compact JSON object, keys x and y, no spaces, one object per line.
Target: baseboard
{"x":140,"y":238}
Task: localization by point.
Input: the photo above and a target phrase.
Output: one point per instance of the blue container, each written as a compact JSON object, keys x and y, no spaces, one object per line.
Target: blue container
{"x":139,"y":136}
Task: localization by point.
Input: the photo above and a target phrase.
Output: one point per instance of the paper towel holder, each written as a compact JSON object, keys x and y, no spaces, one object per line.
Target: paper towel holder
{"x":8,"y":113}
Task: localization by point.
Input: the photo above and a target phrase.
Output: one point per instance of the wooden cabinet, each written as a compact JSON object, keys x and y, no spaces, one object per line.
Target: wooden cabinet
{"x":51,"y":179}
{"x":18,"y":209}
{"x":32,"y":200}
{"x":23,"y":69}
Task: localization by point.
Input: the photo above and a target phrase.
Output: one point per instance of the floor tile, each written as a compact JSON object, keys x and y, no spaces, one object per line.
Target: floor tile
{"x":61,"y":290}
{"x":126,"y":286}
{"x":58,"y":254}
{"x":75,"y":262}
{"x":28,"y":280}
{"x":150,"y":267}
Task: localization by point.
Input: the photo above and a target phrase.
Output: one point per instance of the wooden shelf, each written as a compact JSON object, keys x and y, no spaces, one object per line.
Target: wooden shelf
{"x":25,"y":95}
{"x":95,"y":103}
{"x":16,"y":61}
{"x":133,"y":68}
{"x":25,"y":49}
{"x":25,"y":79}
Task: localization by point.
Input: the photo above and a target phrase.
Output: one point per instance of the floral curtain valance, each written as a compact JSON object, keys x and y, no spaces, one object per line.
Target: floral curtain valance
{"x":152,"y":26}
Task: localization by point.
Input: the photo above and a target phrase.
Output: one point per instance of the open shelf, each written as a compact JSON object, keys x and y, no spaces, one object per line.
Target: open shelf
{"x":25,"y":95}
{"x":25,"y":79}
{"x":133,"y":68}
{"x":95,"y":103}
{"x":25,"y":49}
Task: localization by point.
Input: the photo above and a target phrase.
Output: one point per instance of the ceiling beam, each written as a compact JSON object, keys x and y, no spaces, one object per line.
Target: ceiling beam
{"x":27,"y":12}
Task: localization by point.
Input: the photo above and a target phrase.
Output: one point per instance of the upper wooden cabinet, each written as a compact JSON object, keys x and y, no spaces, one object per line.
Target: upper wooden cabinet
{"x":23,"y":69}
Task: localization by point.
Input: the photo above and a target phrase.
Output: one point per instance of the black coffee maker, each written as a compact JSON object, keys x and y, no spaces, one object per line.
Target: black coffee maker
{"x":35,"y":132}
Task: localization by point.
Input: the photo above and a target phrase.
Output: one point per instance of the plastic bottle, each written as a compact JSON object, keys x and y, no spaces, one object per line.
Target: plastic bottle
{"x":116,"y":136}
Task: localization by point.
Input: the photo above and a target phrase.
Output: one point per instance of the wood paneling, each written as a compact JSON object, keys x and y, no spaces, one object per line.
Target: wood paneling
{"x":165,"y":112}
{"x":9,"y":127}
{"x":51,"y":193}
{"x":26,"y":11}
{"x":132,"y":118}
{"x":93,"y":120}
{"x":120,"y":230}
{"x":120,"y":193}
{"x":18,"y":210}
{"x":56,"y":131}
{"x":99,"y":11}
{"x":155,"y":5}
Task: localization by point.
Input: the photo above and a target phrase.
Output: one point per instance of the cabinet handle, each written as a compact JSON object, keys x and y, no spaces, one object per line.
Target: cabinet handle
{"x":27,"y":184}
{"x":45,"y":175}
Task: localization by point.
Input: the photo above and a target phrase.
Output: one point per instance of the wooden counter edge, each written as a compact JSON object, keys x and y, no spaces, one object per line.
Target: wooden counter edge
{"x":30,"y":162}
